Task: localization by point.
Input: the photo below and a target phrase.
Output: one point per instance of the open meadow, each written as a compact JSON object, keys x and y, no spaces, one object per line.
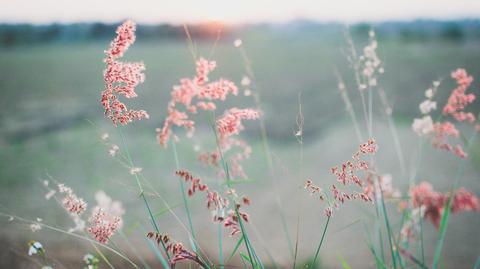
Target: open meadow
{"x":52,"y":122}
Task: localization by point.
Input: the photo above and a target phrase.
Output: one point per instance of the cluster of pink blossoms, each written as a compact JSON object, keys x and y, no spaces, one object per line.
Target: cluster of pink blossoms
{"x":441,"y":132}
{"x":121,"y":78}
{"x":177,"y":250}
{"x":433,"y":203}
{"x":458,"y":99}
{"x":455,"y":106}
{"x":71,"y":202}
{"x":198,"y":93}
{"x":218,"y":205}
{"x":231,"y":123}
{"x":103,"y":225}
{"x":194,"y":93}
{"x":347,"y":175}
{"x":228,"y":125}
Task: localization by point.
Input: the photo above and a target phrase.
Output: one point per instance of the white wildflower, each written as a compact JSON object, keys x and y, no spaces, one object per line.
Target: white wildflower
{"x":427,"y":106}
{"x":113,"y":150}
{"x":245,"y":81}
{"x":196,"y":148}
{"x":35,"y":227}
{"x":423,"y":126}
{"x":237,"y":43}
{"x":35,"y":247}
{"x":50,"y":194}
{"x":135,"y":170}
{"x":429,"y":93}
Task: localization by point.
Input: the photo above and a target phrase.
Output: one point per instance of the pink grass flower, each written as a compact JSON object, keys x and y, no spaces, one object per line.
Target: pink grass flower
{"x":231,"y":122}
{"x":103,"y":225}
{"x":458,"y":99}
{"x":347,"y":174}
{"x":199,"y":93}
{"x":220,"y":206}
{"x":424,"y":195}
{"x":71,"y":202}
{"x":193,"y":94}
{"x":442,"y":132}
{"x":109,"y":206}
{"x":177,"y":250}
{"x":121,"y":78}
{"x":434,"y":202}
{"x":465,"y":201}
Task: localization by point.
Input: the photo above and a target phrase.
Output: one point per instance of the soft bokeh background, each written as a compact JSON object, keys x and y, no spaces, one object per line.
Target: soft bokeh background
{"x":51,"y":120}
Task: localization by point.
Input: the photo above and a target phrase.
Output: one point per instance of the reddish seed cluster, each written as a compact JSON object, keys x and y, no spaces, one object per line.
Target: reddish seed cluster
{"x":440,"y":139}
{"x":209,"y":158}
{"x":71,"y":202}
{"x":102,"y":225}
{"x":434,"y":202}
{"x":228,"y":125}
{"x":199,"y":93}
{"x":458,"y":99}
{"x":195,"y":182}
{"x":194,"y":94}
{"x":455,"y":106}
{"x":217,"y":204}
{"x":177,"y":250}
{"x":121,"y":78}
{"x":346,"y":174}
{"x":232,"y":220}
{"x":443,"y":131}
{"x":313,"y":189}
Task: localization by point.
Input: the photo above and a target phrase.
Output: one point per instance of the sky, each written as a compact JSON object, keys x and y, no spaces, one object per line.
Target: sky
{"x":228,"y":11}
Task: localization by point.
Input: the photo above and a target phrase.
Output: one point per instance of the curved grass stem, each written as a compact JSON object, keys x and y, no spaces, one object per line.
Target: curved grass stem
{"x":320,"y":244}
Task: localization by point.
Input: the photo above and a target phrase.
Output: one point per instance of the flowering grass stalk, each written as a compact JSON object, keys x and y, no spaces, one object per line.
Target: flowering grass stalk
{"x":252,"y":83}
{"x":184,"y":198}
{"x":357,"y":178}
{"x":142,"y":193}
{"x":248,"y":246}
{"x":446,"y":215}
{"x":85,"y":238}
{"x":321,"y":242}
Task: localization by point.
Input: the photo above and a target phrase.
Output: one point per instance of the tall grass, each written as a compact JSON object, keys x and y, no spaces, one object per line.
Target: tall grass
{"x":391,"y":248}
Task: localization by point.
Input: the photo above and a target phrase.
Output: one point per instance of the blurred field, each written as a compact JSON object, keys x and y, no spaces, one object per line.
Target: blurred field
{"x":51,"y":121}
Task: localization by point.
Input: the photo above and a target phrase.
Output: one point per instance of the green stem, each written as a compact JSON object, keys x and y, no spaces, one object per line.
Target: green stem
{"x":71,"y":234}
{"x":142,"y":193}
{"x":320,"y":244}
{"x":389,"y":231}
{"x":266,"y":146}
{"x":220,"y":246}
{"x":445,"y":217}
{"x":228,"y":181}
{"x":184,"y":197}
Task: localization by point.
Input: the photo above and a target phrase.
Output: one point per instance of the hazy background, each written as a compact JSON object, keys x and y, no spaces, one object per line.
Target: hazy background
{"x":51,"y":119}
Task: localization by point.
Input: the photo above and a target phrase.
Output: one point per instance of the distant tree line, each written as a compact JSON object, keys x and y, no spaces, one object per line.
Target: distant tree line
{"x":24,"y":34}
{"x":420,"y":30}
